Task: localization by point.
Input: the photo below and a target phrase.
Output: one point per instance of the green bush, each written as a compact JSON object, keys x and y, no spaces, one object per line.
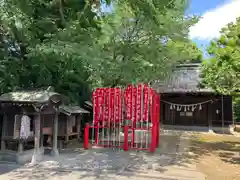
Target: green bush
{"x":236,"y":108}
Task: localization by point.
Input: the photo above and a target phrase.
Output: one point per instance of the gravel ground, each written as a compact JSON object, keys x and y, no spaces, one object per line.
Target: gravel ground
{"x":167,"y":163}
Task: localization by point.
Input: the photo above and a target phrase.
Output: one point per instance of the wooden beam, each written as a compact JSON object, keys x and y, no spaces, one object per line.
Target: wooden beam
{"x":4,"y":126}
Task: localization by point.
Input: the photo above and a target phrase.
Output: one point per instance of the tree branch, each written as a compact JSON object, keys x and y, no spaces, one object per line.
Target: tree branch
{"x":61,"y":11}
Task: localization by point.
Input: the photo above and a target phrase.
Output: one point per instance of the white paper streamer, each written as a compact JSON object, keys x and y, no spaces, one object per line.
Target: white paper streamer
{"x":187,"y":107}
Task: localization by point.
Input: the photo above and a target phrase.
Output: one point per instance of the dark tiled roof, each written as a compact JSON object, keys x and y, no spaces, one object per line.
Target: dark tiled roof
{"x":185,"y":78}
{"x":72,"y":110}
{"x":88,"y":103}
{"x":29,"y":96}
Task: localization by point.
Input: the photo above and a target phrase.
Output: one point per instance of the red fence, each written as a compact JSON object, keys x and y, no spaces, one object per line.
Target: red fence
{"x":125,"y":118}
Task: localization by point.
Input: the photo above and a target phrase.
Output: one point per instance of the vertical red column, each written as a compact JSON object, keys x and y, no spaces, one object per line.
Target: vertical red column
{"x":96,"y":126}
{"x":112,"y":106}
{"x":146,"y":103}
{"x":158,"y":118}
{"x":120,"y":107}
{"x":86,"y":135}
{"x":95,"y":107}
{"x":134,"y":111}
{"x":154,"y":135}
{"x":125,"y":145}
{"x":154,"y":124}
{"x":139,"y":103}
{"x":128,"y":102}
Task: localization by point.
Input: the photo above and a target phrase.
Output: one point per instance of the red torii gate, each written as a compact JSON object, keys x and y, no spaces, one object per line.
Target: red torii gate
{"x":125,"y":118}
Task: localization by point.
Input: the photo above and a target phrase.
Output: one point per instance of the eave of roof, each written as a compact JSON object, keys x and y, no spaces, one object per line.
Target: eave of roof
{"x":27,"y":97}
{"x":69,"y":110}
{"x":89,"y":103}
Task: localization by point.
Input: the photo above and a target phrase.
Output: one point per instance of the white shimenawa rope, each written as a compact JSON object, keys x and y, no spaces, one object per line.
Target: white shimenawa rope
{"x":194,"y":104}
{"x":187,"y":107}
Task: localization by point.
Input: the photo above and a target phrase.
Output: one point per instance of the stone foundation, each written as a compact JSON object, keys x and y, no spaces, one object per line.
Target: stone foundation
{"x":225,"y":130}
{"x":237,"y":128}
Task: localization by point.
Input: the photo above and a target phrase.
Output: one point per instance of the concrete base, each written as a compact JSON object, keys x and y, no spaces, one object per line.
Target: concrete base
{"x":19,"y":158}
{"x":214,"y":129}
{"x":236,"y":128}
{"x":211,"y":131}
{"x":54,"y":152}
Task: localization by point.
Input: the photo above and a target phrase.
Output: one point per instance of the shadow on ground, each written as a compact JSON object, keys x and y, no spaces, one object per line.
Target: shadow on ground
{"x":227,"y":150}
{"x":6,"y":168}
{"x":106,"y":163}
{"x":175,"y":151}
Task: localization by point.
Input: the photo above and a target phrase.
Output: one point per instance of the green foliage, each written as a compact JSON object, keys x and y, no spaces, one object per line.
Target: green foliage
{"x":142,"y":43}
{"x":236,"y":106}
{"x":222,"y":70}
{"x":39,"y":28}
{"x":73,"y":48}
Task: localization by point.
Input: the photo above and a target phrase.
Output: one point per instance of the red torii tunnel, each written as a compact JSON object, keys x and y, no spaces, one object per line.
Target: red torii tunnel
{"x":125,"y":118}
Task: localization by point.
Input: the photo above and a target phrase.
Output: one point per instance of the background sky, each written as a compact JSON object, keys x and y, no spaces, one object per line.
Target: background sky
{"x":201,"y":7}
{"x":215,"y":15}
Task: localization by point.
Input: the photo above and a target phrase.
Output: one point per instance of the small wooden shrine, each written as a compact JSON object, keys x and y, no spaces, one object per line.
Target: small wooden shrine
{"x":32,"y":105}
{"x":69,"y":124}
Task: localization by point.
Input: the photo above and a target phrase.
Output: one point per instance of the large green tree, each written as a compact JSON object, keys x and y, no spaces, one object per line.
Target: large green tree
{"x":222,"y":69}
{"x":32,"y":31}
{"x":142,"y":43}
{"x":73,"y":46}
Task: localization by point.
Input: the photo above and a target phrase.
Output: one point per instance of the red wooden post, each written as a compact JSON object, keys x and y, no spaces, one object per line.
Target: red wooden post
{"x":86,"y":135}
{"x":154,"y":124}
{"x":153,"y":142}
{"x":133,"y":134}
{"x":125,"y":144}
{"x":96,"y":133}
{"x":158,"y":119}
{"x":157,"y":138}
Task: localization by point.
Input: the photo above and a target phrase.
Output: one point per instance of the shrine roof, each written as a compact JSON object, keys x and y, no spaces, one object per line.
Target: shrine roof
{"x":72,"y":110}
{"x":184,"y":78}
{"x":29,"y":96}
{"x":88,"y":103}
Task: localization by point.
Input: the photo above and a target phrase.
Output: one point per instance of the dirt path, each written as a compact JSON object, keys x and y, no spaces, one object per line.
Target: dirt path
{"x":216,"y":169}
{"x":217,"y":156}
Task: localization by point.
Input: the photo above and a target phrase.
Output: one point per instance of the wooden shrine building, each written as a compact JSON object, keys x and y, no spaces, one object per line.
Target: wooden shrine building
{"x":69,"y":124}
{"x":184,"y":101}
{"x":31,"y":105}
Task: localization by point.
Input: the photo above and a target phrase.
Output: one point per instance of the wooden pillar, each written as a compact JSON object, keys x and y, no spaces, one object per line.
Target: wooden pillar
{"x":20,"y":142}
{"x":41,"y":131}
{"x":161,"y":112}
{"x":37,"y":124}
{"x":4,"y":128}
{"x":54,"y":151}
{"x":210,"y":117}
{"x":67,"y":128}
{"x":222,"y":114}
{"x":78,"y":122}
{"x":20,"y":146}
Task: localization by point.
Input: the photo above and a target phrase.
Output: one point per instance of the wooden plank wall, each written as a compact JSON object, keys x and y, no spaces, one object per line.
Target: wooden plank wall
{"x":200,"y":117}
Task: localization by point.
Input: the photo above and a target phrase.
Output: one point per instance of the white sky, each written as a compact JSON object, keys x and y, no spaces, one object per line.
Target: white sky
{"x":213,"y":20}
